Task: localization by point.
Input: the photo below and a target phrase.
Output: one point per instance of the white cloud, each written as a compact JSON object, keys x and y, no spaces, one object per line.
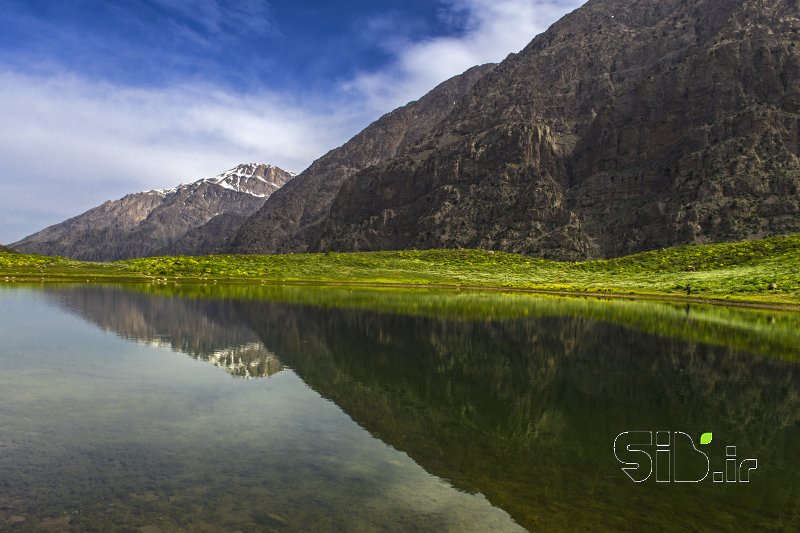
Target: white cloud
{"x":70,"y":144}
{"x":492,"y":30}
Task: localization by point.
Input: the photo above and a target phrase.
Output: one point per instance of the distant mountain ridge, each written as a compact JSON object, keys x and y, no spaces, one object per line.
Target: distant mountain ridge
{"x":152,"y":222}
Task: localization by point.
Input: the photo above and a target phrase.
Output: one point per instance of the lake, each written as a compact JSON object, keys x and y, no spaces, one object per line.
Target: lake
{"x":246,"y":408}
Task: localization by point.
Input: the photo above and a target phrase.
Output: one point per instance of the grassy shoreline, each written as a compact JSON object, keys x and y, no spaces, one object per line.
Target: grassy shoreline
{"x":763,"y":272}
{"x":771,"y":331}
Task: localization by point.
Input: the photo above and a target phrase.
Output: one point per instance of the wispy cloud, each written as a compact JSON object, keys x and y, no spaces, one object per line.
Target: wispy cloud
{"x":488,"y":31}
{"x":68,"y":143}
{"x":216,"y":17}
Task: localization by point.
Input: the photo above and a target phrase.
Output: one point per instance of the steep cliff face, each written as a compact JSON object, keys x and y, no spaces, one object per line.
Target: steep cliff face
{"x":626,"y":126}
{"x":151,"y":222}
{"x":288,"y":222}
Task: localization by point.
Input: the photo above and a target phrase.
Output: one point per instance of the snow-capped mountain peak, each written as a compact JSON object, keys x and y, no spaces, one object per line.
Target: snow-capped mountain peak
{"x":255,"y":179}
{"x":158,"y":220}
{"x":252,"y":178}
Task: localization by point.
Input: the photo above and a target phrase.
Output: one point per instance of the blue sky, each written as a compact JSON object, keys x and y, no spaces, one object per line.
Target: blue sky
{"x":100,"y":98}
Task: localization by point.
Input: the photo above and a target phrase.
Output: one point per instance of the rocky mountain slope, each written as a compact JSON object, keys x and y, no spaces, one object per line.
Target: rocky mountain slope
{"x":213,"y":237}
{"x":626,"y":126}
{"x":289,"y":223}
{"x":6,"y":249}
{"x":161,"y":221}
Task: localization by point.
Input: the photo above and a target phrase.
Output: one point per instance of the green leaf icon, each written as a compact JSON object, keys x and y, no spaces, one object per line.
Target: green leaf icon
{"x":705,"y":438}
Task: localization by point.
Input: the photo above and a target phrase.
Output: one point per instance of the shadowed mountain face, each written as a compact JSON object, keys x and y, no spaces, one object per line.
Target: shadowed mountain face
{"x":524,"y":410}
{"x":6,"y":249}
{"x":213,"y":237}
{"x":289,"y":221}
{"x":627,"y":126}
{"x":189,"y":219}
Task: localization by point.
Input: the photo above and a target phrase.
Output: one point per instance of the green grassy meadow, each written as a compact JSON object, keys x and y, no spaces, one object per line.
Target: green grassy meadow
{"x":763,"y":271}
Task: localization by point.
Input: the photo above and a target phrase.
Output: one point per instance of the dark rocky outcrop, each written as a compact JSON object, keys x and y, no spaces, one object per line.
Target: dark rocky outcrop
{"x":159,"y":221}
{"x":626,"y":126}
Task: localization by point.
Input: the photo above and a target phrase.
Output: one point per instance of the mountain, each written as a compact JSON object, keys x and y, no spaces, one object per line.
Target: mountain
{"x":158,"y":221}
{"x":290,"y":220}
{"x":626,"y":126}
{"x":6,"y":250}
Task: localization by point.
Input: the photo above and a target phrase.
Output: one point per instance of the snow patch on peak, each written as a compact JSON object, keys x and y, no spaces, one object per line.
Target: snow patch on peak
{"x":242,"y":178}
{"x":249,"y":169}
{"x":161,"y":192}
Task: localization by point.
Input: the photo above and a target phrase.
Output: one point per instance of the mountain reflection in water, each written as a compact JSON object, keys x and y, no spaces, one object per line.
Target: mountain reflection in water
{"x":208,"y":330}
{"x":522,"y":408}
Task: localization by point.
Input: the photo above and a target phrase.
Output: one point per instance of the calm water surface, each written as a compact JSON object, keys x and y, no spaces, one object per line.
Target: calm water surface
{"x":156,"y":409}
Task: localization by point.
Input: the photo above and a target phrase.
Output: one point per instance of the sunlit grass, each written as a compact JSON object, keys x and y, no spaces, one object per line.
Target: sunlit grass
{"x":766,"y":270}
